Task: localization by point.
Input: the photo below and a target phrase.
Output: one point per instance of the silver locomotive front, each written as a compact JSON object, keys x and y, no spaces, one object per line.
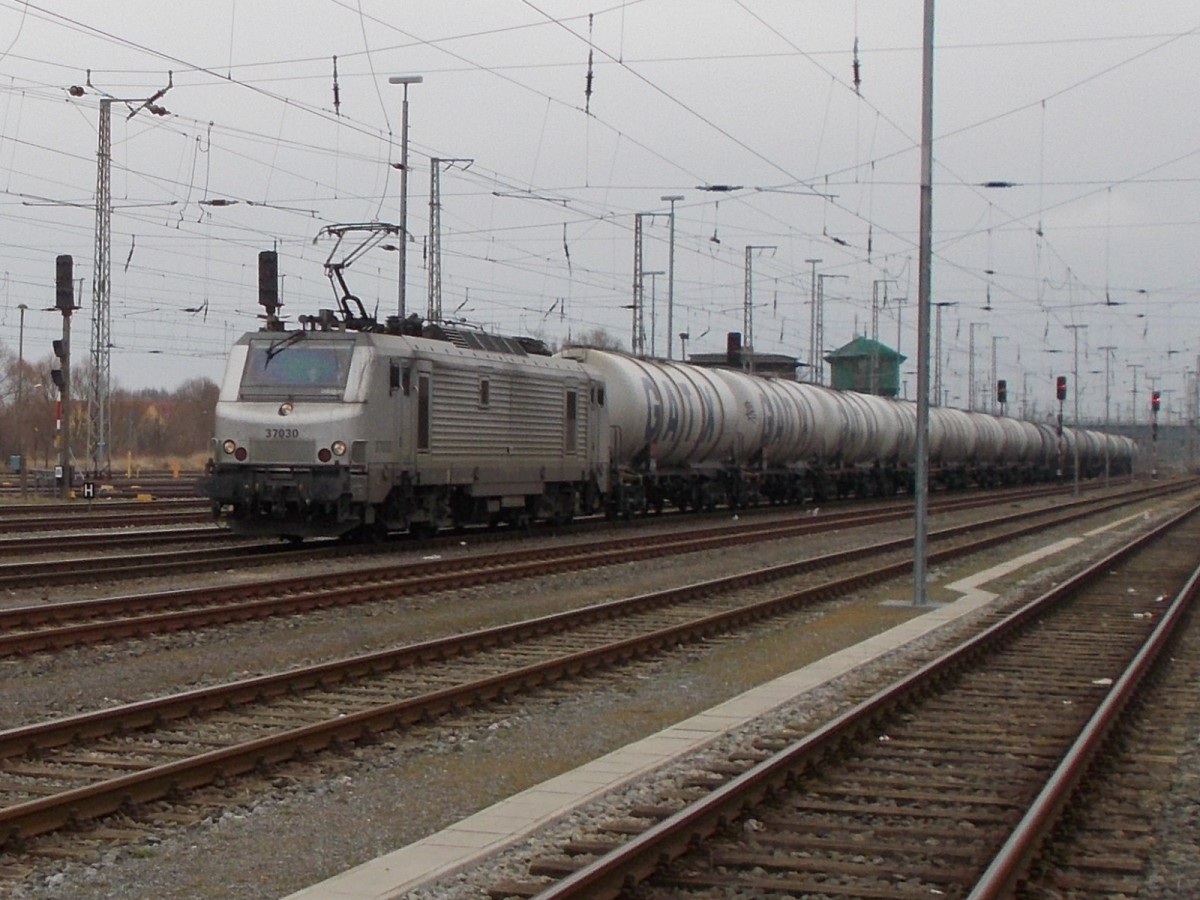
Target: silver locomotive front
{"x":289,"y":454}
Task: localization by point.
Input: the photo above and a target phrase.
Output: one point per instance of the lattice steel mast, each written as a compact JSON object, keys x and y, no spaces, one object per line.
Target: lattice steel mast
{"x":99,"y":434}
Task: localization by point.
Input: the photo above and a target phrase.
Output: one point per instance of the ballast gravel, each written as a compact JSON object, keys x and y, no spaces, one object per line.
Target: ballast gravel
{"x":295,"y":829}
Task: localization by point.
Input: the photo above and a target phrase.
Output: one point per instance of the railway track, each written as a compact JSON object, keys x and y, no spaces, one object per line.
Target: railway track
{"x":47,"y":626}
{"x":158,"y":485}
{"x":61,"y":571}
{"x":144,"y":529}
{"x":68,"y":771}
{"x":80,"y":517}
{"x":22,"y":547}
{"x":948,"y":782}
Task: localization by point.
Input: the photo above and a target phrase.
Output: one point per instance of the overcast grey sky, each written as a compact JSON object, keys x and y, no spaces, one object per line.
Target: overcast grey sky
{"x":1087,"y":112}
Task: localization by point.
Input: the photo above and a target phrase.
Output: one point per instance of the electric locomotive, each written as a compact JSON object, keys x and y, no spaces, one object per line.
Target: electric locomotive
{"x":346,"y":425}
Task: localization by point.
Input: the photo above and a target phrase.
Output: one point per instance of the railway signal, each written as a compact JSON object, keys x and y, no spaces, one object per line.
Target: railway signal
{"x":1060,"y":387}
{"x":64,"y":284}
{"x":1155,"y":403}
{"x":56,"y":374}
{"x":1001,"y":391}
{"x":64,"y":302}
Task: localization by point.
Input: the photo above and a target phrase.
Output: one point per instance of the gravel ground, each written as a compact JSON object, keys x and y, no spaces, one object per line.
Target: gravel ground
{"x":298,"y":830}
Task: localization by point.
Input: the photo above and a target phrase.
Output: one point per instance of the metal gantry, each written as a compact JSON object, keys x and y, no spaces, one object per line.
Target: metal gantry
{"x":638,"y":338}
{"x":813,"y":349}
{"x":1075,"y":398}
{"x":748,"y":304}
{"x":672,"y":199}
{"x":434,"y":312}
{"x":99,"y":433}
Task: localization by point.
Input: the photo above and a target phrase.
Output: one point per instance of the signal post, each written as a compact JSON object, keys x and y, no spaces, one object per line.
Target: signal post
{"x":64,"y":302}
{"x":1060,"y":392}
{"x":1155,"y":403}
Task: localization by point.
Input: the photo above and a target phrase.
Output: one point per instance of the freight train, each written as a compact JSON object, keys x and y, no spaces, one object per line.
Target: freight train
{"x":349,"y":427}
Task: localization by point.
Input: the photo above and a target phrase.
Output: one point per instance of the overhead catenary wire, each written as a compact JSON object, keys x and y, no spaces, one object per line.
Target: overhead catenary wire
{"x":603,"y":216}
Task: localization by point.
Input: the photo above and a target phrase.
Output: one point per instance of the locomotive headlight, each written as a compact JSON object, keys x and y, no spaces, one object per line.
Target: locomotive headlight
{"x":338,"y":448}
{"x":229,"y":446}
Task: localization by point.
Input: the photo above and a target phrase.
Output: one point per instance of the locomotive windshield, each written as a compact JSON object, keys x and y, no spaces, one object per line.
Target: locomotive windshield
{"x":296,"y":366}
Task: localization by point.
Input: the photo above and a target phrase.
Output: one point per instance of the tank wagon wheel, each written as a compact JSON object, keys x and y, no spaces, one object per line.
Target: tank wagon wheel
{"x":422,"y":531}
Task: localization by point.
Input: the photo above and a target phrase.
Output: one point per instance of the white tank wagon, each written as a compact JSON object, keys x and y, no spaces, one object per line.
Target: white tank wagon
{"x":953,"y":433}
{"x":1049,"y":455}
{"x":821,"y":429}
{"x":682,"y":434}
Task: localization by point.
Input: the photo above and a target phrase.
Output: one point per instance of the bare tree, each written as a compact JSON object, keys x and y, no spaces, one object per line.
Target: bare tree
{"x":597,"y":339}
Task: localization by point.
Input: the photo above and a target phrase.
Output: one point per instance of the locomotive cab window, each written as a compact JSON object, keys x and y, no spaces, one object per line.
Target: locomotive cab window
{"x":296,"y":366}
{"x":399,"y":379}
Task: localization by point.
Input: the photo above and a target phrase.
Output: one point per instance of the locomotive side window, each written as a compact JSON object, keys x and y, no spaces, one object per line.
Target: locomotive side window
{"x":296,"y":367}
{"x":393,"y":377}
{"x":423,"y":423}
{"x":572,"y":423}
{"x":484,"y":393}
{"x":406,"y":381}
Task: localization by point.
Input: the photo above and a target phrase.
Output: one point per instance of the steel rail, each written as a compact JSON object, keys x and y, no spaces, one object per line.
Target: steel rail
{"x":77,"y":522}
{"x":61,"y":571}
{"x":1020,"y":850}
{"x":665,"y":841}
{"x":191,"y":608}
{"x":70,"y":570}
{"x":46,"y":814}
{"x":56,"y":543}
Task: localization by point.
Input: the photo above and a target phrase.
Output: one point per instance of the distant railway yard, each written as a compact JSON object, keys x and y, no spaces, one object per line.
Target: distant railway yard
{"x":182,"y":707}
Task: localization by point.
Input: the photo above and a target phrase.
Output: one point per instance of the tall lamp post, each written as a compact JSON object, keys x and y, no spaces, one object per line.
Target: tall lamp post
{"x":670,"y":198}
{"x":654,"y":311}
{"x":1075,"y":398}
{"x":405,"y":80}
{"x":21,"y":396}
{"x":812,"y":321}
{"x":1109,"y":350}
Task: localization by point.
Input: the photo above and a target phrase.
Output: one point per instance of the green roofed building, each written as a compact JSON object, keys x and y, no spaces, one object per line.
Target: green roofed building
{"x":866,"y":366}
